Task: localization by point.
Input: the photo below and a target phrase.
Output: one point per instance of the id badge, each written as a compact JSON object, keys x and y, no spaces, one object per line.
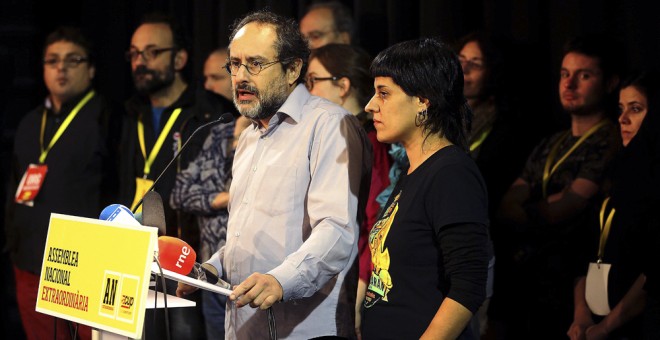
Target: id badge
{"x":596,"y":288}
{"x":142,"y":185}
{"x":30,"y":184}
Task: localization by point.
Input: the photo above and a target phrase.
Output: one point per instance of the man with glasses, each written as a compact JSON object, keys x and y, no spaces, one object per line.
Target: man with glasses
{"x":299,"y":172}
{"x":160,"y":117}
{"x":64,"y":150}
{"x":326,"y":23}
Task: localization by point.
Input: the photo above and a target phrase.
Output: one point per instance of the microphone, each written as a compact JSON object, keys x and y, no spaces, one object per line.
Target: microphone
{"x":120,"y":214}
{"x":225,"y":118}
{"x":153,"y":212}
{"x":178,"y":256}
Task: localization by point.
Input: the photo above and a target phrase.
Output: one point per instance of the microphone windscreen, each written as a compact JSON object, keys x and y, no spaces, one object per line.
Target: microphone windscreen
{"x":118,"y":213}
{"x":176,"y":255}
{"x":138,"y":217}
{"x":153,"y":212}
{"x":226,"y":117}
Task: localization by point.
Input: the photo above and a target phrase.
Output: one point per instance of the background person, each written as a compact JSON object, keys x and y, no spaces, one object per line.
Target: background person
{"x":71,"y":135}
{"x":340,"y":73}
{"x":160,"y":117}
{"x":216,"y":78}
{"x":543,"y":213}
{"x":628,"y":203}
{"x":327,"y":22}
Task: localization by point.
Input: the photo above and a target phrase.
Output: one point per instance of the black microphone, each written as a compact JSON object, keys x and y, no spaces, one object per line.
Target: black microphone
{"x":153,"y":212}
{"x":225,"y":118}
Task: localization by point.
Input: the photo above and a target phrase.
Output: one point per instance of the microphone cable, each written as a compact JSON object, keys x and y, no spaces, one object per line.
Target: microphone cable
{"x":272,"y":330}
{"x":225,"y":118}
{"x":164,"y":286}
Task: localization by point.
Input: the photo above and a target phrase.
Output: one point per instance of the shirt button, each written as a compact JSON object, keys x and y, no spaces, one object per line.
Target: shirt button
{"x":254,"y":169}
{"x":237,"y":234}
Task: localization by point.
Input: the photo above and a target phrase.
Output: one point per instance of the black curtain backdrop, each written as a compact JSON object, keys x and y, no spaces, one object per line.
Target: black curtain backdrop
{"x":538,"y":29}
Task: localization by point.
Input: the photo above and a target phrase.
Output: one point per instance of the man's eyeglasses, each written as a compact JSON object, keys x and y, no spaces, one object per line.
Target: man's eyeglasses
{"x":311,"y":80}
{"x":317,"y":35}
{"x":477,"y":65}
{"x":149,"y":53}
{"x":71,"y":61}
{"x":253,"y":67}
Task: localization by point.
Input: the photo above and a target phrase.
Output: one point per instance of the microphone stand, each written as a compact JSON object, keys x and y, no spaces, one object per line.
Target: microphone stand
{"x":225,"y":118}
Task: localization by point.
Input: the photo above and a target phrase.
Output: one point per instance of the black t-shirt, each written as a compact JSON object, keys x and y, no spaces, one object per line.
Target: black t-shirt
{"x":430,"y":242}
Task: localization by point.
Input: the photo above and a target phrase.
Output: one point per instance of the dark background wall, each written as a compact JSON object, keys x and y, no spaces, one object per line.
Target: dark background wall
{"x":537,"y":28}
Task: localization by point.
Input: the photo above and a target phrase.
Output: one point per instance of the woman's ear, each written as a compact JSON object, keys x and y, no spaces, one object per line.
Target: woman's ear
{"x":423,"y":104}
{"x":344,"y":85}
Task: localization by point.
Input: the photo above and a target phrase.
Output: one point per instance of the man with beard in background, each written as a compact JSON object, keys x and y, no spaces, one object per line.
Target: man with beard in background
{"x":544,"y":213}
{"x":162,"y":115}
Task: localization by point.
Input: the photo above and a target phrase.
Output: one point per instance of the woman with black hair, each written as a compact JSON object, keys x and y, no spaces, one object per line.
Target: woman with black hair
{"x":610,"y":298}
{"x":430,"y":247}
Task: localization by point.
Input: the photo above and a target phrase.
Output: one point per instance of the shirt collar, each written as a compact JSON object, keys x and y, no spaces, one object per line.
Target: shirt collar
{"x":292,"y":107}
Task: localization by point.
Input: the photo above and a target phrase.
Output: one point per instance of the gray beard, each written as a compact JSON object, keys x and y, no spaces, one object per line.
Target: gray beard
{"x":267,"y":102}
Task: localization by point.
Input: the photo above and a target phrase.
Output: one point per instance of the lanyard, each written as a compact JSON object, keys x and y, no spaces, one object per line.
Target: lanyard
{"x":547,"y":172}
{"x":159,"y":141}
{"x":604,"y":228}
{"x":60,"y":130}
{"x":481,"y":139}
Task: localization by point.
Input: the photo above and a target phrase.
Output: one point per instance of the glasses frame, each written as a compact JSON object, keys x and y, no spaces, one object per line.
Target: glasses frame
{"x":262,"y":66}
{"x":471,"y":64}
{"x":312,"y":80}
{"x":71,"y":61}
{"x":148,"y":54}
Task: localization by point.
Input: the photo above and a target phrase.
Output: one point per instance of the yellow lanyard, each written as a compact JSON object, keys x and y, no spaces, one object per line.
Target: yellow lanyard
{"x":604,"y":228}
{"x":481,"y":139}
{"x":159,"y":141}
{"x":547,"y":172}
{"x":60,"y":130}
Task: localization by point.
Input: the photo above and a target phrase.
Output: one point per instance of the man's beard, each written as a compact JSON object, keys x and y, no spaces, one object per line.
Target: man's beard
{"x":157,"y":82}
{"x":267,"y":103}
{"x":582,"y":109}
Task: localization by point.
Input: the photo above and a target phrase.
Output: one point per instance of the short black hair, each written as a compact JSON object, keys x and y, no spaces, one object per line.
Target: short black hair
{"x":289,"y":44}
{"x":342,"y":16}
{"x":179,"y":38}
{"x":73,"y":35}
{"x":429,"y":69}
{"x":599,"y":47}
{"x":646,"y":82}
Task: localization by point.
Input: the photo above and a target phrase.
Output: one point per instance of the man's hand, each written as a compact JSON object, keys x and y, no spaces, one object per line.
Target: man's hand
{"x":183,"y":289}
{"x":220,"y":201}
{"x":258,"y":290}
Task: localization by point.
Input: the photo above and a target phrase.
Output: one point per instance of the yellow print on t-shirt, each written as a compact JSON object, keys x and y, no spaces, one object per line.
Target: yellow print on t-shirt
{"x":381,"y":282}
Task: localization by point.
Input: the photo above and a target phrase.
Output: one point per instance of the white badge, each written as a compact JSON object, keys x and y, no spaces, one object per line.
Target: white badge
{"x":596,"y":288}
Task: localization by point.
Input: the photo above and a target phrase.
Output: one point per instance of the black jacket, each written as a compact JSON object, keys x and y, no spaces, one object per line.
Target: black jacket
{"x":80,"y":181}
{"x":198,"y":107}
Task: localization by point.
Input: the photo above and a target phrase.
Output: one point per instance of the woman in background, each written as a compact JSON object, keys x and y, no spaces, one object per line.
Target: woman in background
{"x":614,"y":314}
{"x":340,"y":73}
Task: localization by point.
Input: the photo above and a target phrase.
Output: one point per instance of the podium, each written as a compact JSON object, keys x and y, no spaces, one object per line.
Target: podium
{"x":97,"y":273}
{"x":172,"y":302}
